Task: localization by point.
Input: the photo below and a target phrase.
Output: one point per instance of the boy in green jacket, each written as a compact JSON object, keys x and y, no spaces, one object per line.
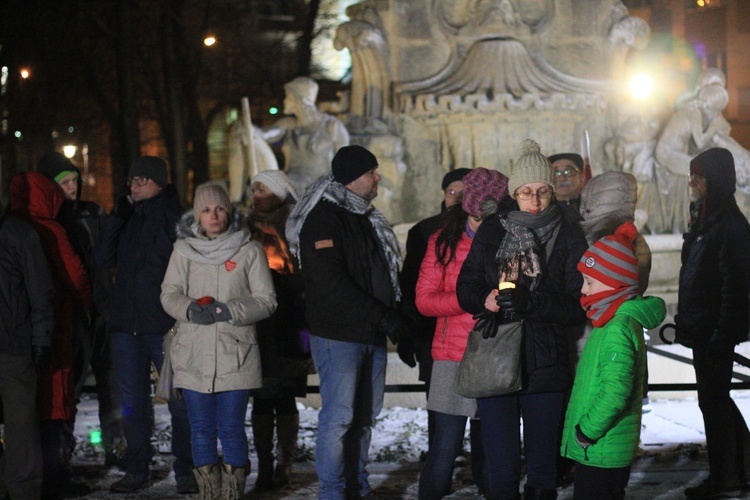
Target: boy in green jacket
{"x":603,"y":420}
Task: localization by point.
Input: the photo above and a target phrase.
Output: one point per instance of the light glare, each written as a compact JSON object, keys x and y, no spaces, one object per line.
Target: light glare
{"x":209,"y":40}
{"x":641,"y":86}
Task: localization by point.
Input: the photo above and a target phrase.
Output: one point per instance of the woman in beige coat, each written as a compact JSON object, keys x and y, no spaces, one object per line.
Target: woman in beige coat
{"x":217,"y":286}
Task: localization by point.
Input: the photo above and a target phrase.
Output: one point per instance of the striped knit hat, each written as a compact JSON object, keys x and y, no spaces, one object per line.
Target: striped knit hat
{"x":612,"y":259}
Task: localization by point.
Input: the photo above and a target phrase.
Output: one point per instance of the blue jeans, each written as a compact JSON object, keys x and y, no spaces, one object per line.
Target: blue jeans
{"x":352,"y":384}
{"x":222,"y":415}
{"x":133,"y":355}
{"x":500,"y":417}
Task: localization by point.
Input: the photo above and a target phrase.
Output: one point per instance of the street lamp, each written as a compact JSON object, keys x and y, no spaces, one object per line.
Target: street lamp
{"x":69,"y":150}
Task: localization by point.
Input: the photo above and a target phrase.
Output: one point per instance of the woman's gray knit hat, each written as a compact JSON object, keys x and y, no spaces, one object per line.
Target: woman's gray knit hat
{"x":531,"y":166}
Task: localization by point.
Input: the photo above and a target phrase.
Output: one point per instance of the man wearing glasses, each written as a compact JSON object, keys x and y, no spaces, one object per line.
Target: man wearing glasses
{"x":136,"y":240}
{"x":712,"y":315}
{"x":568,"y":169}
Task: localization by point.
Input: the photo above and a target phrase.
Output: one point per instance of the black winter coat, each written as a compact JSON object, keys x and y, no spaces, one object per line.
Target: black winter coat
{"x":347,"y":284}
{"x":26,"y":289}
{"x":139,"y":248}
{"x":715,"y":280}
{"x":556,"y":301}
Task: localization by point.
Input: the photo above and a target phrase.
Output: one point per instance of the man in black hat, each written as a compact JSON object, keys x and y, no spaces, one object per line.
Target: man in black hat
{"x":712,"y":315}
{"x":568,"y":169}
{"x":349,"y":259}
{"x":91,"y":340}
{"x":416,"y":246}
{"x":136,"y":240}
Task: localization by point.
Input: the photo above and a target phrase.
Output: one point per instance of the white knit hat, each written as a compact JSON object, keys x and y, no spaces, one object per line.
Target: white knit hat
{"x":210,"y":193}
{"x":531,"y":166}
{"x":278,"y":183}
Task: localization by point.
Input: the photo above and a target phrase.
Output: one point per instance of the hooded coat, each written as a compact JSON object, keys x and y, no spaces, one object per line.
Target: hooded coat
{"x":232,"y":269}
{"x":37,"y":200}
{"x":715,"y":274}
{"x":607,"y":394}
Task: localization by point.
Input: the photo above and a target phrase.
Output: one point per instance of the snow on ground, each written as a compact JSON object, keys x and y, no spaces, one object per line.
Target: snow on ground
{"x":672,"y":454}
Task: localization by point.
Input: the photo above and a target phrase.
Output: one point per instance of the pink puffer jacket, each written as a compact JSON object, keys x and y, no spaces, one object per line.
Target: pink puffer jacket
{"x":436,"y":296}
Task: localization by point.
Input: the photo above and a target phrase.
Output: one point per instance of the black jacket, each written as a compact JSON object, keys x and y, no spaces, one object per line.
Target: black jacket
{"x":556,"y":300}
{"x":715,"y":280}
{"x":26,"y":289}
{"x":346,"y":279}
{"x":139,"y":247}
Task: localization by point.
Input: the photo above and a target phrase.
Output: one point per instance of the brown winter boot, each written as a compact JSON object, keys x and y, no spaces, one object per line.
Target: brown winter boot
{"x":233,"y":481}
{"x":263,"y":439}
{"x":287,"y":427}
{"x":208,"y":478}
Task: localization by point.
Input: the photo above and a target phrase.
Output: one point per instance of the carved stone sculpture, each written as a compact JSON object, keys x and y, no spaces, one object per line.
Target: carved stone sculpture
{"x":310,"y":137}
{"x":238,"y":162}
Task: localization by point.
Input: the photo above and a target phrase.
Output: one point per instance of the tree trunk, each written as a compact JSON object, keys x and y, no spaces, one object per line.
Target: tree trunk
{"x":128,"y":123}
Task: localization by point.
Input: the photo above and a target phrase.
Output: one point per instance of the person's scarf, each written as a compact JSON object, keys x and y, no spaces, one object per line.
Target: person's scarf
{"x":601,"y":307}
{"x":525,"y":244}
{"x":194,"y":245}
{"x":335,"y":192}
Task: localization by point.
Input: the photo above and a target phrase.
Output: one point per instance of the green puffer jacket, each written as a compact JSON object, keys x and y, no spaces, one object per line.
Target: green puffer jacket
{"x":608,"y":390}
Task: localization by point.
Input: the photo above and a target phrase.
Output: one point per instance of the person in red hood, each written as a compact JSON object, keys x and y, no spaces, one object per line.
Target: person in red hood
{"x":37,"y":200}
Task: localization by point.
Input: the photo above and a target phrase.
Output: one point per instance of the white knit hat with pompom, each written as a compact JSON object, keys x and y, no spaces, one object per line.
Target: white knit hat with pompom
{"x":531,"y":166}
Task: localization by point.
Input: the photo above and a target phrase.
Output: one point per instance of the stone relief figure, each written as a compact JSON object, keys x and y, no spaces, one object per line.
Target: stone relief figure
{"x":310,"y":137}
{"x":694,"y":127}
{"x":239,"y":162}
{"x":364,"y":37}
{"x":370,"y":93}
{"x":627,"y":34}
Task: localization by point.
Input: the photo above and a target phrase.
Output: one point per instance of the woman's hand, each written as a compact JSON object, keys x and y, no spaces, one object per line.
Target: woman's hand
{"x":490,"y":303}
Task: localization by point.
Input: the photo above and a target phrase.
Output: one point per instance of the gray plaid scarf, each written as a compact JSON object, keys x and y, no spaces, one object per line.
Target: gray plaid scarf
{"x":526,"y":243}
{"x":335,"y":192}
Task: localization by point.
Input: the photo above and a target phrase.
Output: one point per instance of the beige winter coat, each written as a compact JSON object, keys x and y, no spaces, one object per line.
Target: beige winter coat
{"x":223,"y":356}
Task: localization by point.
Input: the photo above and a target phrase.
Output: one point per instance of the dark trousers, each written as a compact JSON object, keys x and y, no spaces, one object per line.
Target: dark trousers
{"x":598,"y":483}
{"x":21,"y":462}
{"x":436,"y":478}
{"x":135,"y":353}
{"x":501,"y":433}
{"x":91,"y":348}
{"x":727,"y":436}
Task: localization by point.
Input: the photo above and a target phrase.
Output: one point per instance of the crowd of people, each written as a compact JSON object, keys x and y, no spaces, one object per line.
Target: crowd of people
{"x":252,"y":302}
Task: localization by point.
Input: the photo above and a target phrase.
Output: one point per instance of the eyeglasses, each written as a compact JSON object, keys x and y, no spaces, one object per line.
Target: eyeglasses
{"x":527,"y":194}
{"x":453,"y":192}
{"x":138,"y":181}
{"x":568,"y":172}
{"x":697,"y":178}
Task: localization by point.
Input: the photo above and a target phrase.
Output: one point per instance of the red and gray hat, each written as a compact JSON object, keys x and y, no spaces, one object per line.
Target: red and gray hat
{"x":612,"y":259}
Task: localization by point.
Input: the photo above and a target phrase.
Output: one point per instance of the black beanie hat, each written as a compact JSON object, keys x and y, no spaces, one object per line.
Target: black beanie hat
{"x":574,"y":157}
{"x":453,"y":176}
{"x":54,"y":166}
{"x":150,"y":167}
{"x":351,"y":162}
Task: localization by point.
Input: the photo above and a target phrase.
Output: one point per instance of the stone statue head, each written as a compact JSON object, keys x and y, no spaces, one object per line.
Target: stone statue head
{"x":303,"y":88}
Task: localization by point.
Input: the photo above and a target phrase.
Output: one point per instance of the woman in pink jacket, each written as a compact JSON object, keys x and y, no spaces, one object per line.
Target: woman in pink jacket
{"x":436,"y":296}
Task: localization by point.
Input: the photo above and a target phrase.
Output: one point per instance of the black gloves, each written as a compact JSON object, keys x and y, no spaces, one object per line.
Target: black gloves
{"x":516,"y":300}
{"x":405,"y":349}
{"x":42,"y":356}
{"x":394,"y":327}
{"x":208,"y":314}
{"x":487,"y":323}
{"x":198,"y":315}
{"x":123,"y":206}
{"x":220,"y":311}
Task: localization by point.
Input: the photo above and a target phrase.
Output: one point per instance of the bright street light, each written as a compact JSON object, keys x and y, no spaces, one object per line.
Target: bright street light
{"x":69,"y":150}
{"x":25,"y":73}
{"x":209,"y":40}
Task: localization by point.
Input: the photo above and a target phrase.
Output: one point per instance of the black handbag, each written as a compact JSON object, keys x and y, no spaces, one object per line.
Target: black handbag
{"x":165,"y":388}
{"x":491,"y":367}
